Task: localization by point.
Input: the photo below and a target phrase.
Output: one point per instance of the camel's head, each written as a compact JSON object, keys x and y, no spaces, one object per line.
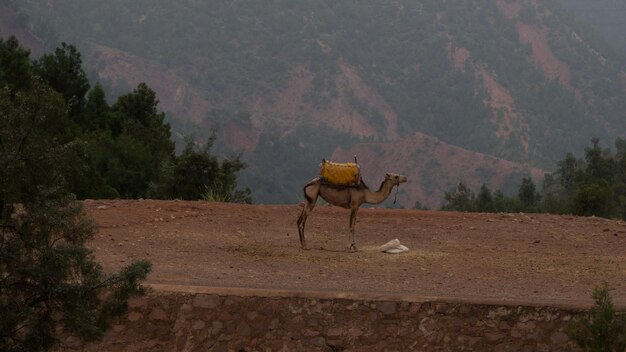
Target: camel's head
{"x":395,"y":178}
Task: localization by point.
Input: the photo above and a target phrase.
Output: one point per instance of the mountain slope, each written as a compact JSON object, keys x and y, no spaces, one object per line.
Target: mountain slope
{"x":608,"y":17}
{"x":12,"y":22}
{"x":430,"y":159}
{"x":291,"y":83}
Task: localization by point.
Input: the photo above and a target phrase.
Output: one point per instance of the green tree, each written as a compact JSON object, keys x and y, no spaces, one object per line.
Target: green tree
{"x":620,"y":177}
{"x":48,"y":278}
{"x":527,"y":194}
{"x":197,"y":174}
{"x":194,"y":171}
{"x":141,"y":119}
{"x":567,"y":173}
{"x":620,"y":145}
{"x":595,"y":185}
{"x":600,"y":165}
{"x":500,"y":202}
{"x":460,"y":198}
{"x":93,"y":182}
{"x":140,"y":143}
{"x":592,"y":199}
{"x":419,"y":206}
{"x":601,"y":330}
{"x":15,"y":67}
{"x":96,"y":110}
{"x":64,"y":73}
{"x":484,"y":200}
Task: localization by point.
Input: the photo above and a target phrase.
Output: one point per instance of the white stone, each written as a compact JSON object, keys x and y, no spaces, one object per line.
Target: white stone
{"x":394,"y":247}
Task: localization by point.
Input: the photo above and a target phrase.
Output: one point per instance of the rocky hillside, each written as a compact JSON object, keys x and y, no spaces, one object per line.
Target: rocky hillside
{"x":473,"y":91}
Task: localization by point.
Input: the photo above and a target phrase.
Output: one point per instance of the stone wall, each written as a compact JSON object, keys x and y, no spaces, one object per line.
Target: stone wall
{"x":205,"y":321}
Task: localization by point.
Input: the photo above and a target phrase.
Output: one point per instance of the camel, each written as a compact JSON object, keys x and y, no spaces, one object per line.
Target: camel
{"x":348,"y":197}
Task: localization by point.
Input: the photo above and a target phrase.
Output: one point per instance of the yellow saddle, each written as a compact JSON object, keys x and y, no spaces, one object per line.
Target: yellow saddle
{"x":342,"y":174}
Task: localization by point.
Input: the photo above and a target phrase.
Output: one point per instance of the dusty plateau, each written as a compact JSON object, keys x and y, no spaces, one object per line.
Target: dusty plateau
{"x":517,"y":258}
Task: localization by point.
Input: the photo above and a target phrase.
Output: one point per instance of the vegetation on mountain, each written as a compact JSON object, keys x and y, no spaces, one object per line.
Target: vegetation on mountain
{"x":513,"y":79}
{"x":121,"y":149}
{"x":196,"y":174}
{"x":591,"y":186}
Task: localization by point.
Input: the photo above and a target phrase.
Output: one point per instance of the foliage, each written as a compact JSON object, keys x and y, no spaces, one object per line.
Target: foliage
{"x":420,"y":206}
{"x":120,"y":150}
{"x":484,"y":200}
{"x":196,"y":174}
{"x":591,"y":199}
{"x":64,"y":73}
{"x":139,"y":142}
{"x":459,"y":199}
{"x":58,"y":139}
{"x":407,"y":52}
{"x":593,"y":186}
{"x":211,"y":195}
{"x":48,"y":278}
{"x":462,"y":198}
{"x":527,"y":194}
{"x":602,"y":329}
{"x":15,"y":68}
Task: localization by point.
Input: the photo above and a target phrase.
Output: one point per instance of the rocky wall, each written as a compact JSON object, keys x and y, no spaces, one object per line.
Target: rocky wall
{"x":176,"y":321}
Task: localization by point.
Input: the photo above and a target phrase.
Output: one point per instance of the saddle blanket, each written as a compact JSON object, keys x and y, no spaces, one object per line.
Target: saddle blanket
{"x":344,"y":174}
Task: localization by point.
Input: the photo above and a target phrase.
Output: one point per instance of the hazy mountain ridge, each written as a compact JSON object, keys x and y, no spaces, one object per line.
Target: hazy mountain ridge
{"x":12,"y":23}
{"x":606,"y":16}
{"x":292,"y":83}
{"x":430,"y":159}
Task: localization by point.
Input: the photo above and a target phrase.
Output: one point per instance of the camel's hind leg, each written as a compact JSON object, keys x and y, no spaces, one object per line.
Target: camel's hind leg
{"x":352,"y":236}
{"x":310,"y":196}
{"x":301,"y":223}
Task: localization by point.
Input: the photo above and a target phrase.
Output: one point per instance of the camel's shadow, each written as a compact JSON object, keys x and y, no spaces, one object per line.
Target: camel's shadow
{"x":364,"y":249}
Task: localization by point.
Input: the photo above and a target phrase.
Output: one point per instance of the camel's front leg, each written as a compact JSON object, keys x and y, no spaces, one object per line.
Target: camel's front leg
{"x":301,"y":223}
{"x":352,"y":236}
{"x":310,"y":198}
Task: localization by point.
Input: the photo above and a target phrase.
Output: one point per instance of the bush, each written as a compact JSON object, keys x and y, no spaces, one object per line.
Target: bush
{"x":601,"y":329}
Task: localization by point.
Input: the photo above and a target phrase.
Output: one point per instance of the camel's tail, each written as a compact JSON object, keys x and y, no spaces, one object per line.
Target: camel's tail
{"x":312,"y":182}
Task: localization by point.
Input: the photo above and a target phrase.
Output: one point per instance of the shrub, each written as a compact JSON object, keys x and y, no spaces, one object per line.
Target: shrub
{"x":601,"y":330}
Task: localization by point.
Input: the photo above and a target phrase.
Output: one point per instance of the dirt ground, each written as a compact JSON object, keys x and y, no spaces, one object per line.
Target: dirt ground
{"x":501,"y":257}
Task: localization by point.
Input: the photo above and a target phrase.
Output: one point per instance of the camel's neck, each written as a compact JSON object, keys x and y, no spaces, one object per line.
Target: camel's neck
{"x":380,"y":195}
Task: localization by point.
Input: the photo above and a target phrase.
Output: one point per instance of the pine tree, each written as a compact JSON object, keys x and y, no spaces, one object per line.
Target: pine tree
{"x":460,"y":199}
{"x":527,"y":194}
{"x":48,"y":277}
{"x":484,"y":200}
